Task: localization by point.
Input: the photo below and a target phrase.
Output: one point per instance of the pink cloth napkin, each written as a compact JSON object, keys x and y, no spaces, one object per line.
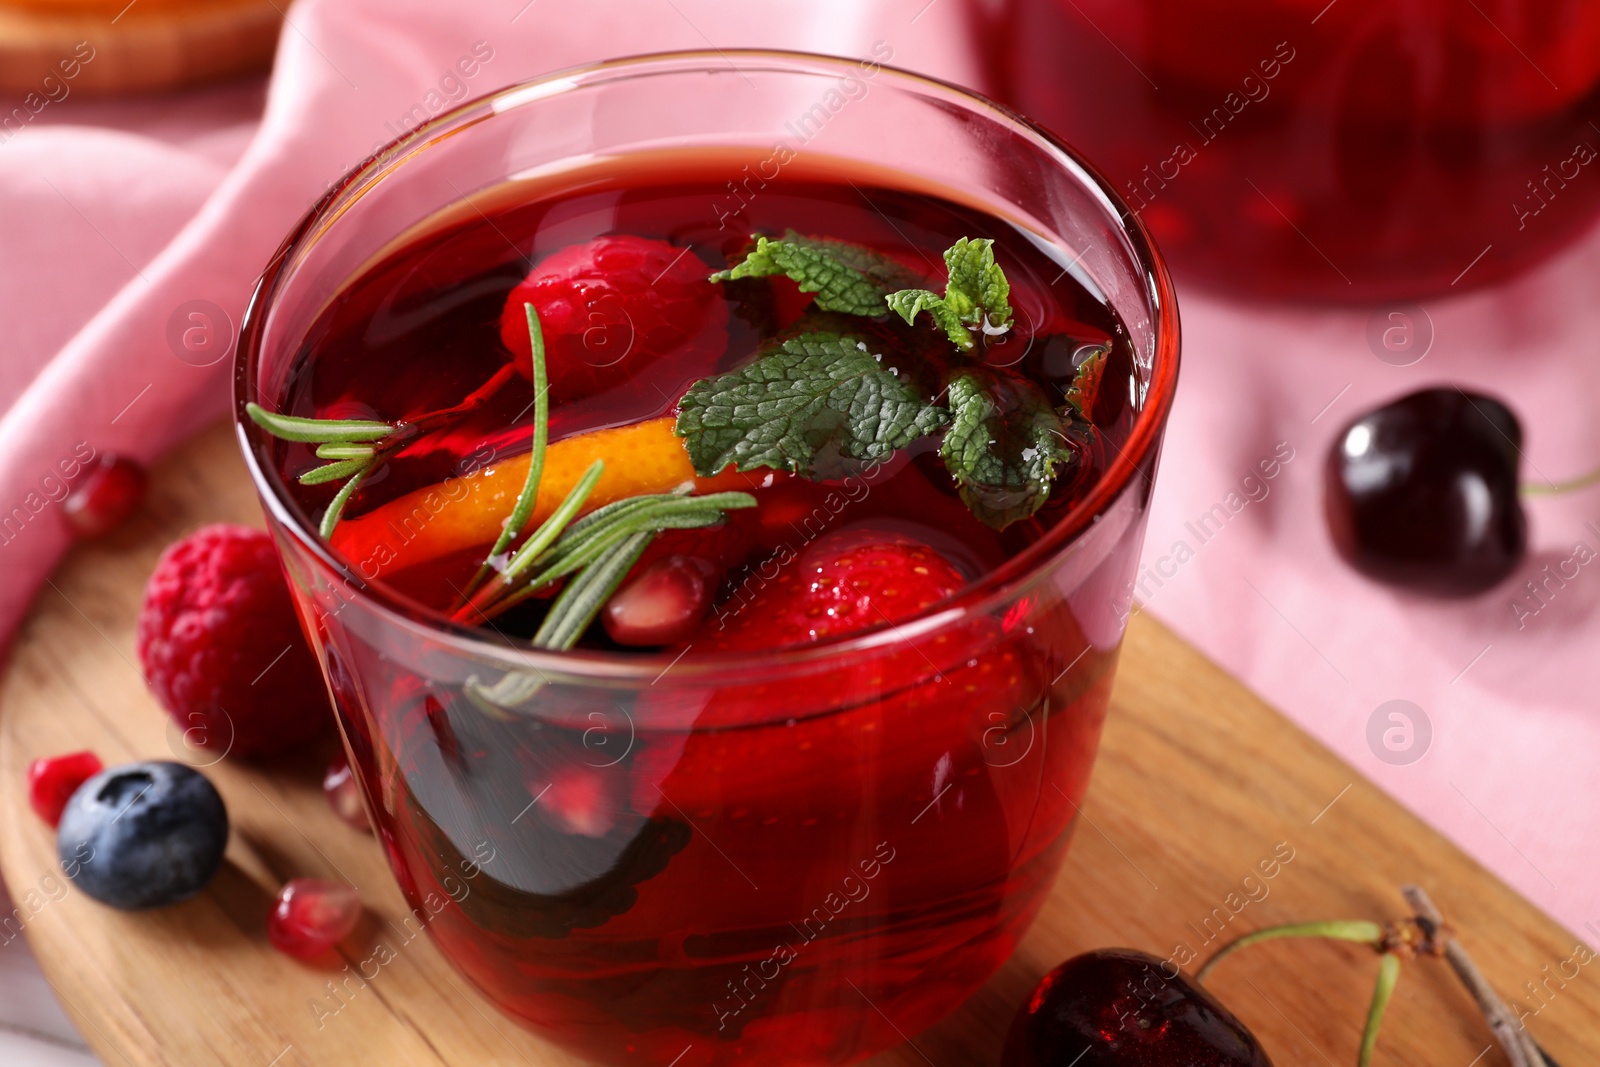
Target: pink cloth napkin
{"x":156,"y":214}
{"x":137,"y":211}
{"x":1498,"y":748}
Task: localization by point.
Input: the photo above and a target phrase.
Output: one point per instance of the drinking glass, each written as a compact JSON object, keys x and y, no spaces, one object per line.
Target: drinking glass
{"x":792,"y":856}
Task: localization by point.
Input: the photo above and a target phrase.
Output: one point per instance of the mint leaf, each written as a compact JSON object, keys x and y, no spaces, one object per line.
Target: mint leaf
{"x":818,"y":267}
{"x":977,"y":290}
{"x":1085,"y":385}
{"x":976,"y":296}
{"x":909,"y":303}
{"x":803,"y":396}
{"x":1004,"y":444}
{"x":889,"y":273}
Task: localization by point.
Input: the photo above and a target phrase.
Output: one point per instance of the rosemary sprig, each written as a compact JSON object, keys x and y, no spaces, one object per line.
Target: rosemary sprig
{"x":593,"y":546}
{"x":541,"y":439}
{"x":358,"y":448}
{"x":553,"y":527}
{"x":330,"y":518}
{"x":593,"y":553}
{"x":603,"y":553}
{"x":586,"y":594}
{"x":296,"y":428}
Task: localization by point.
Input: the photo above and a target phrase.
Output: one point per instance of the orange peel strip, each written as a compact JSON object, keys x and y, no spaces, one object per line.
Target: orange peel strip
{"x":467,"y":511}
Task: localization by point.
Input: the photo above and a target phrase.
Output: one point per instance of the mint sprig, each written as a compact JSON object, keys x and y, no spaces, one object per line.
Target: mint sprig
{"x":847,"y":278}
{"x":976,"y":296}
{"x":801,"y":397}
{"x":827,"y":392}
{"x":885,"y":270}
{"x":1004,"y":444}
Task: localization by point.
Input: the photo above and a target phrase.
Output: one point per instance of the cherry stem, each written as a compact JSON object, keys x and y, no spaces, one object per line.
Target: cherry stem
{"x":1360,"y":931}
{"x":1388,"y":975}
{"x":1519,"y":1046}
{"x":1582,"y":481}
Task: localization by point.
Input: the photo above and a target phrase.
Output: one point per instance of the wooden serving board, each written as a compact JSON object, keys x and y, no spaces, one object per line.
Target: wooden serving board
{"x":51,"y":49}
{"x":1197,"y":785}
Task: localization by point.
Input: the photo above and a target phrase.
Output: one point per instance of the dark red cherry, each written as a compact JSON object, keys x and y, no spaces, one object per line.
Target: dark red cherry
{"x":1117,"y":1007}
{"x":1422,"y":492}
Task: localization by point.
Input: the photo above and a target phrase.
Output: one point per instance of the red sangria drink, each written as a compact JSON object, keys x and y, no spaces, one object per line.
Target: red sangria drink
{"x":718,"y":545}
{"x":1346,"y":151}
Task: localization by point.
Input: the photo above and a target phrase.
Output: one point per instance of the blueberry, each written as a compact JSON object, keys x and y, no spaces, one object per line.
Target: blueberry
{"x":143,"y":835}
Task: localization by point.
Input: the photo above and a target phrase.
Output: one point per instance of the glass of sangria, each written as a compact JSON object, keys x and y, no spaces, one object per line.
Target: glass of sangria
{"x":713,"y":485}
{"x":1308,"y":149}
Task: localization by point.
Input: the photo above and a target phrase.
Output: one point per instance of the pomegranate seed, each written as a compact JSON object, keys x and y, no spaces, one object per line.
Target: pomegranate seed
{"x":344,"y":795}
{"x":105,"y":496}
{"x":581,"y":800}
{"x":53,"y":780}
{"x":310,"y":916}
{"x":663,"y":604}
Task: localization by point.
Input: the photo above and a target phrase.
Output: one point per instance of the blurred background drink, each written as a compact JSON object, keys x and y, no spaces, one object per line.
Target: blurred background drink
{"x":1352,"y":150}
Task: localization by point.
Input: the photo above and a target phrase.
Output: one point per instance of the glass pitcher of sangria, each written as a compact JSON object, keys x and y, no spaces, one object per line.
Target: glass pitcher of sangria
{"x":1345,"y":150}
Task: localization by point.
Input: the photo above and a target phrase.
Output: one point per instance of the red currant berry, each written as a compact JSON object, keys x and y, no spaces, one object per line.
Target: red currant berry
{"x":53,"y":780}
{"x":310,"y":916}
{"x":107,"y":494}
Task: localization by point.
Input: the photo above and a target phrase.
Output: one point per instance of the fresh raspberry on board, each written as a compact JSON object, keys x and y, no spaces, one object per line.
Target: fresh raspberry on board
{"x":221,"y":648}
{"x":612,"y":306}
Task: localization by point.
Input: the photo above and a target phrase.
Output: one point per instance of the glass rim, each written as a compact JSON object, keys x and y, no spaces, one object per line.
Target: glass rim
{"x":598,"y":666}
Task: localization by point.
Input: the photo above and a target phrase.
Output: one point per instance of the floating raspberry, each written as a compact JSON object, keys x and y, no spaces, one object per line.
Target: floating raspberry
{"x":612,"y":306}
